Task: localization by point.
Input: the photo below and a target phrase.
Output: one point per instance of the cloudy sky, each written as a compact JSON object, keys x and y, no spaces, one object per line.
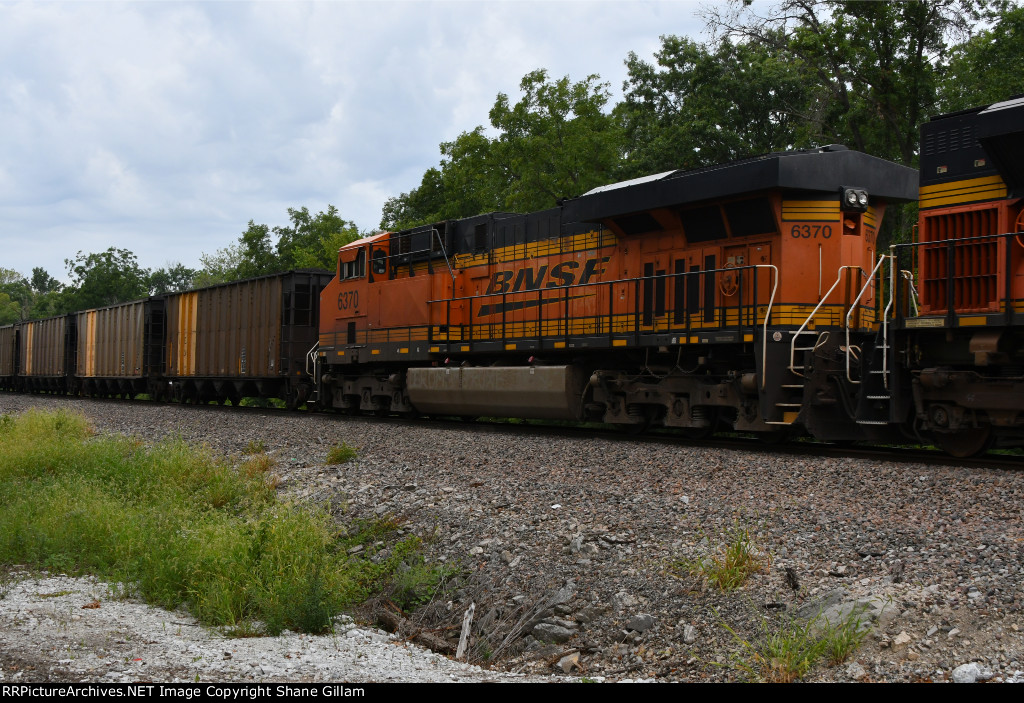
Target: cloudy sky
{"x":164,"y":127}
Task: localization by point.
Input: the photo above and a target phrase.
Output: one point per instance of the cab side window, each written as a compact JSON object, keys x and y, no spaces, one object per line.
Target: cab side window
{"x":353,"y":269}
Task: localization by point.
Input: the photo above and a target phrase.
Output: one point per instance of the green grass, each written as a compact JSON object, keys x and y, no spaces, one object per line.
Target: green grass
{"x":787,"y":652}
{"x":255,"y":446}
{"x":734,"y":562}
{"x":178,"y":526}
{"x":340,"y":454}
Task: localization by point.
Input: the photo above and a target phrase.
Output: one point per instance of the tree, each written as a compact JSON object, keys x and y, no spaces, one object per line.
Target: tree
{"x":107,"y":278}
{"x":219,"y":267}
{"x":556,"y":141}
{"x":468,"y":182}
{"x":43,"y":282}
{"x":174,"y":278}
{"x":871,"y":67}
{"x":421,"y":205}
{"x":986,"y":68}
{"x":313,"y":240}
{"x":17,"y":296}
{"x":703,"y":106}
{"x":10,"y":310}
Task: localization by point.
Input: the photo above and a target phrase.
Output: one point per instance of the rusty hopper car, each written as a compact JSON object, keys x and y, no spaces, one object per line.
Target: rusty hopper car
{"x":119,"y":349}
{"x":245,"y":338}
{"x":688,"y":299}
{"x":46,"y":354}
{"x":8,"y":356}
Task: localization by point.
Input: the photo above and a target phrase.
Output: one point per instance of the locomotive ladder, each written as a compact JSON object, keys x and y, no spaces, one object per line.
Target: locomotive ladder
{"x":873,"y":391}
{"x":790,"y":410}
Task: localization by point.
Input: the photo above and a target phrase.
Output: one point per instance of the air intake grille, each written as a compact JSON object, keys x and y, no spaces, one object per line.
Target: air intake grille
{"x":975,"y":271}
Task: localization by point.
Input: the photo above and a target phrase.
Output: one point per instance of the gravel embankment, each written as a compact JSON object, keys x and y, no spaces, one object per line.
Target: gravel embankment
{"x":577,"y":546}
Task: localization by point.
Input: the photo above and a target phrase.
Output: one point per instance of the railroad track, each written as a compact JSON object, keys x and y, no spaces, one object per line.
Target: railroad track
{"x":1004,"y":460}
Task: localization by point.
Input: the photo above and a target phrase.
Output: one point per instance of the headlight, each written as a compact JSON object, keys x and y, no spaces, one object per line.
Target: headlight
{"x":853,"y":199}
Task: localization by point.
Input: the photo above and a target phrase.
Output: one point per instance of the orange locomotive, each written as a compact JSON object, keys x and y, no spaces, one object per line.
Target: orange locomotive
{"x":957,"y":334}
{"x":686,"y":299}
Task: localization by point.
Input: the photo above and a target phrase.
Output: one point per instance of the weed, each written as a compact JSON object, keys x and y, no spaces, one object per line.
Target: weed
{"x":786,"y":653}
{"x":734,"y":562}
{"x":840,"y":641}
{"x":257,"y":465}
{"x":242,"y":630}
{"x":340,"y":454}
{"x":416,"y":582}
{"x":255,"y":446}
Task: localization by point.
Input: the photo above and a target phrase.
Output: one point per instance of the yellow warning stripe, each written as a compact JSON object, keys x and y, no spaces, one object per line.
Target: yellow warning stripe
{"x":810,"y":210}
{"x":968,"y":191}
{"x":547,"y":247}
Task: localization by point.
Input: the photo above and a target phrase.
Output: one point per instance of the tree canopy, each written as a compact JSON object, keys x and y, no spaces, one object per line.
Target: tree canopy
{"x":805,"y":73}
{"x":556,"y":141}
{"x":308,"y":241}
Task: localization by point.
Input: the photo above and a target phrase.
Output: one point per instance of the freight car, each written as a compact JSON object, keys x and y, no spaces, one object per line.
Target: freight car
{"x":244,"y":338}
{"x":688,"y":299}
{"x":45,"y":354}
{"x":241,"y":339}
{"x":118,"y":349}
{"x":8,"y":356}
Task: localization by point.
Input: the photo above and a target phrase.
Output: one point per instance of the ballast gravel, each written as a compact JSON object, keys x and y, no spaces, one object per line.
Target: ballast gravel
{"x":54,"y":628}
{"x":576,"y":555}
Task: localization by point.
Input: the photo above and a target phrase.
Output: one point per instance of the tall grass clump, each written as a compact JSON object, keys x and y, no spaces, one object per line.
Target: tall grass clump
{"x":732,"y":564}
{"x":341,"y":454}
{"x":175,"y":525}
{"x":787,"y":651}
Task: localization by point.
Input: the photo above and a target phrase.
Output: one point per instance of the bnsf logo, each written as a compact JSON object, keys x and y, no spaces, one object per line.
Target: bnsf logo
{"x":559,"y":275}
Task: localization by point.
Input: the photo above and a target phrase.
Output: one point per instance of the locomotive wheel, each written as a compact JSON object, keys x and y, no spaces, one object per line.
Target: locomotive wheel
{"x":965,"y":443}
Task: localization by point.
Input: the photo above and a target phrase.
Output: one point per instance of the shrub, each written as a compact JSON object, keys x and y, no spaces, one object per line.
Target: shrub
{"x":178,"y":526}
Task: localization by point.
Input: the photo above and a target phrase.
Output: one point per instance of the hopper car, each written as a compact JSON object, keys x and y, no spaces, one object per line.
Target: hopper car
{"x":221,"y":343}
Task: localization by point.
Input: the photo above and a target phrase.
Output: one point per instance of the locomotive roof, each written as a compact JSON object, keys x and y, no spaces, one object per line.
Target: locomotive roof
{"x":1001,"y":133}
{"x":826,"y":170}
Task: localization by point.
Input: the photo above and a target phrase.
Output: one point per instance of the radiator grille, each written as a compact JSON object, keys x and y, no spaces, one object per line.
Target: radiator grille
{"x":975,"y":271}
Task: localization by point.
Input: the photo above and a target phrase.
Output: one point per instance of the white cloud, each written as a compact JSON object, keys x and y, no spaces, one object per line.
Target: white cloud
{"x":165,"y":127}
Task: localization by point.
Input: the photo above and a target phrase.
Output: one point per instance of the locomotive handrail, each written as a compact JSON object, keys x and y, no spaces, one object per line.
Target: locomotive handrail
{"x":853,"y":309}
{"x":311,"y":357}
{"x":803,"y":327}
{"x":767,"y":316}
{"x":948,"y":276}
{"x":440,"y":241}
{"x":908,"y":276}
